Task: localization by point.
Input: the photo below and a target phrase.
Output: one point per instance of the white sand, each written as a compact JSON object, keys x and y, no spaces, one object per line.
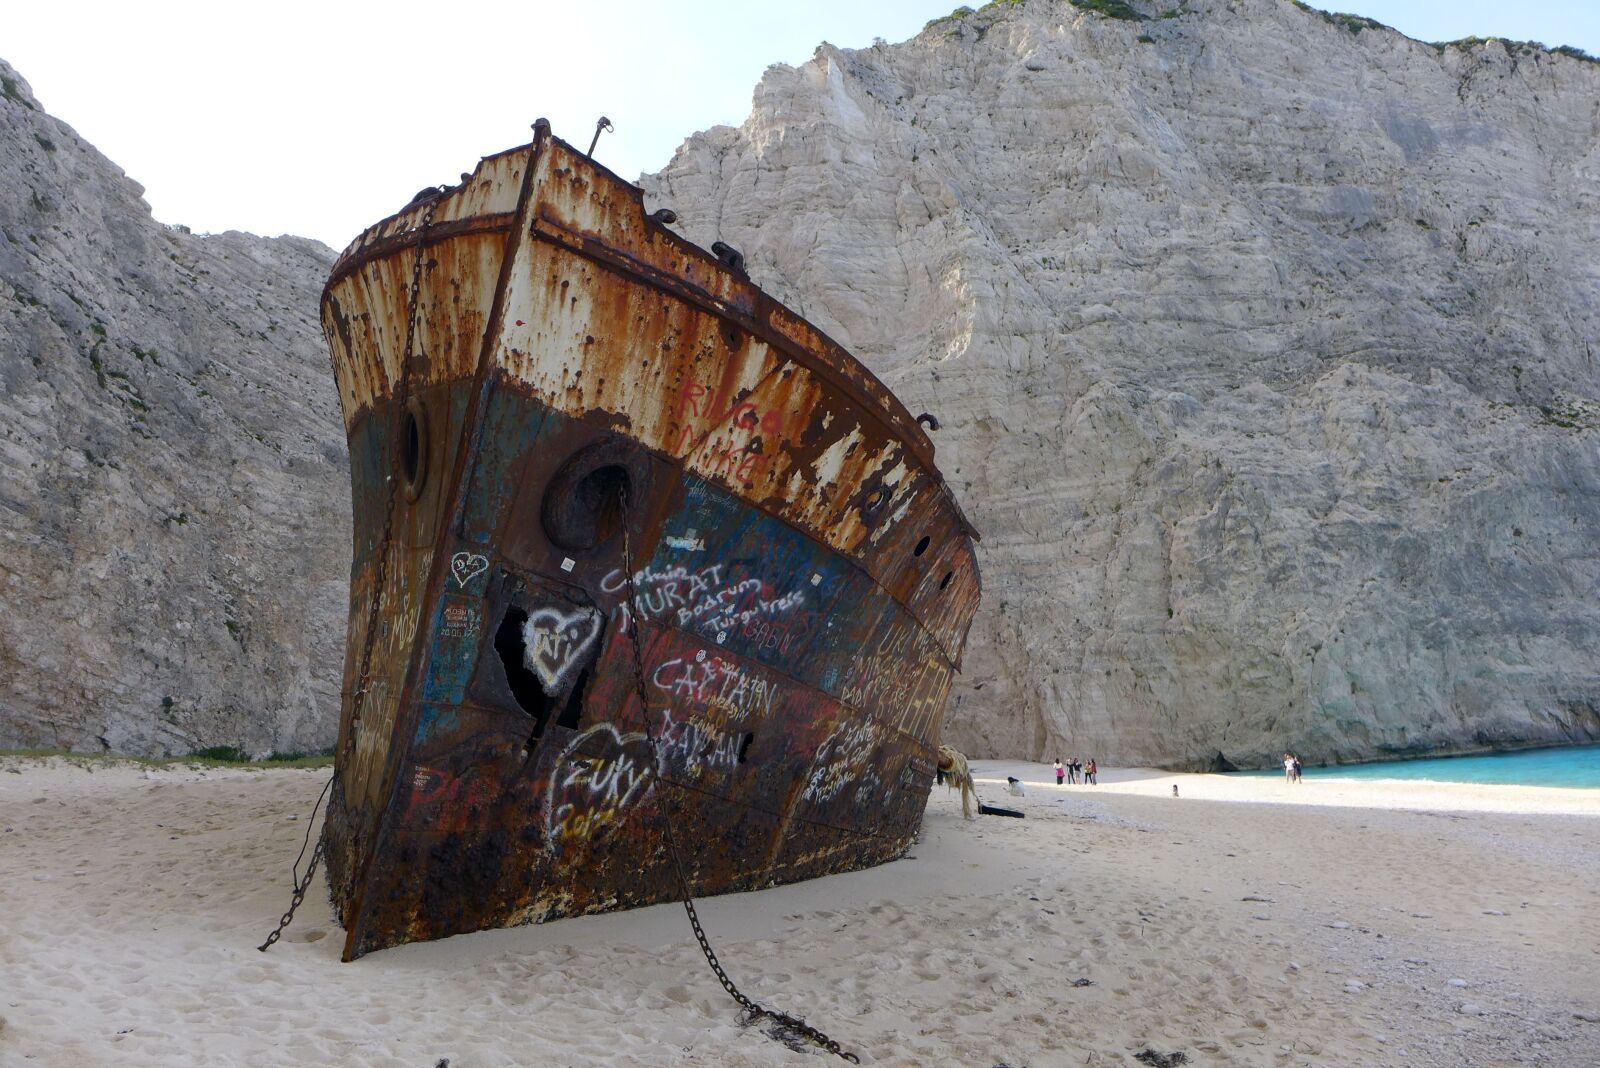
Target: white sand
{"x":1246,"y":923}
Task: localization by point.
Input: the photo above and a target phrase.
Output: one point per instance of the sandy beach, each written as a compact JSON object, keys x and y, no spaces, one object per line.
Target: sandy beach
{"x":1245,"y":922}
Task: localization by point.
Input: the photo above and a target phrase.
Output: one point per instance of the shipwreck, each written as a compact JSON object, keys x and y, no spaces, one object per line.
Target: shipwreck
{"x":633,"y":543}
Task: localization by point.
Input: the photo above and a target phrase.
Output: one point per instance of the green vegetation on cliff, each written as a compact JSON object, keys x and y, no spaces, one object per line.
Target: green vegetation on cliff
{"x":1111,"y":9}
{"x":1357,"y":23}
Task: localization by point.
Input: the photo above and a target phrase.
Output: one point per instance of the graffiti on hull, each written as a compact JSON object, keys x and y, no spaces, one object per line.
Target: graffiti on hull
{"x":904,"y":676}
{"x":844,"y":762}
{"x":555,"y":641}
{"x":713,"y":682}
{"x":598,"y":777}
{"x":710,"y":600}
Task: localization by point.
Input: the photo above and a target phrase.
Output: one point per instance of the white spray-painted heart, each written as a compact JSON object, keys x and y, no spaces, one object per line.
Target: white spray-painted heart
{"x":553,"y":641}
{"x":464,"y":567}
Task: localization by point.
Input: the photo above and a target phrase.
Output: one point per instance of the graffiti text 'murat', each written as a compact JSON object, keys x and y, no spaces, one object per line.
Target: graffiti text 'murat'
{"x":707,"y":599}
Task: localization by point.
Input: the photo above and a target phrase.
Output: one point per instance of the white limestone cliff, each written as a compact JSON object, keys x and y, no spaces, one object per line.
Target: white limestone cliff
{"x":174,"y":548}
{"x":1264,"y":346}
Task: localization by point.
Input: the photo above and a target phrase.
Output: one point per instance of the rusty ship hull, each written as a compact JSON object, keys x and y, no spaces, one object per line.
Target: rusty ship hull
{"x":582,"y":385}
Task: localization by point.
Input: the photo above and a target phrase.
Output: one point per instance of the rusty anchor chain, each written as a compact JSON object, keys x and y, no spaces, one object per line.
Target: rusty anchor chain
{"x":402,"y":397}
{"x":301,"y":885}
{"x":754,"y":1010}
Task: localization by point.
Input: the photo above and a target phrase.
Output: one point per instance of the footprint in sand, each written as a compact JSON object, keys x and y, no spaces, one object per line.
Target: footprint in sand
{"x":921,"y":969}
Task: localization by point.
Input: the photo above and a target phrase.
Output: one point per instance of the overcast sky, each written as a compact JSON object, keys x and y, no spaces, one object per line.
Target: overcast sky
{"x":321,"y":118}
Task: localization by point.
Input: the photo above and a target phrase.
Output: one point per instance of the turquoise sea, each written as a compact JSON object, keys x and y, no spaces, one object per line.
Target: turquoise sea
{"x":1571,"y":766}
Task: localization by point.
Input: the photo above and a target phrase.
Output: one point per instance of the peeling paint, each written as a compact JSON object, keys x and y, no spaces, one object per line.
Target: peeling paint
{"x":798,"y":636}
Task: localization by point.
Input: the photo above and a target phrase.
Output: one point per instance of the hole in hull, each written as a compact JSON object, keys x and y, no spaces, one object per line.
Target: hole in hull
{"x":541,"y":693}
{"x":530,"y":696}
{"x":572,"y":711}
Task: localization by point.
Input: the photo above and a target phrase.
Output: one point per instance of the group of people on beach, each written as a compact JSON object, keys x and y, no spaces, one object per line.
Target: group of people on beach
{"x":1073,"y":768}
{"x":1291,"y":768}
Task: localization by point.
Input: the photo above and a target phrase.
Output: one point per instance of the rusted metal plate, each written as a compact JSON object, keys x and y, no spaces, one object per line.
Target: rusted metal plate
{"x":803,"y":581}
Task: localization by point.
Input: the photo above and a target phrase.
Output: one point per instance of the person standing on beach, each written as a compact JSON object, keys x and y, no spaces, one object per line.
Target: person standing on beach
{"x":1074,"y":765}
{"x":1295,"y":775}
{"x":1288,"y":767}
{"x":1061,"y":772}
{"x":1090,"y":770}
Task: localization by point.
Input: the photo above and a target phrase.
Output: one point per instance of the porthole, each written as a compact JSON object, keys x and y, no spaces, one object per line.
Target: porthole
{"x":414,"y":448}
{"x":922,"y":546}
{"x":592,"y":514}
{"x":583,"y":505}
{"x":872,"y":504}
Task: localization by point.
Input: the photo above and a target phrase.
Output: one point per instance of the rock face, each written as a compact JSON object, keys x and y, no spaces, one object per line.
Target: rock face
{"x":1263,"y":344}
{"x":1265,"y":351}
{"x":174,"y":552}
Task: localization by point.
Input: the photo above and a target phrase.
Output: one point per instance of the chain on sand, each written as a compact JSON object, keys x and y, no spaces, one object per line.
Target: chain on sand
{"x":301,"y":883}
{"x":402,"y":395}
{"x":753,"y":1009}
